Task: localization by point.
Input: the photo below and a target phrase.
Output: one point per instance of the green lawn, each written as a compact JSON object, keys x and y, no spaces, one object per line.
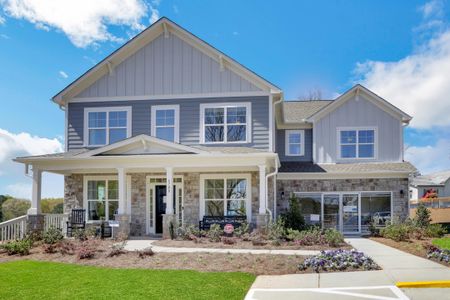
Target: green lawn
{"x":45,"y":280}
{"x":443,"y":243}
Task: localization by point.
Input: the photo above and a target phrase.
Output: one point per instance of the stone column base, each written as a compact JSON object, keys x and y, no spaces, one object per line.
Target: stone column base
{"x":167,"y":220}
{"x":262,"y":220}
{"x":35,"y":224}
{"x":123,"y":231}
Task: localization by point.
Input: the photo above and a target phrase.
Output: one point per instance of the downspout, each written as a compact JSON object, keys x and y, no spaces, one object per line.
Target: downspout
{"x":267,"y":191}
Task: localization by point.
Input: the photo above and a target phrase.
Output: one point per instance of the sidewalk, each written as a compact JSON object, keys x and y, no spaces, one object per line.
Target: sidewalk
{"x":136,"y":245}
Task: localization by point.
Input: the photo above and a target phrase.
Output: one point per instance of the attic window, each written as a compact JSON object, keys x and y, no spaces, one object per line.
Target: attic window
{"x":106,"y":125}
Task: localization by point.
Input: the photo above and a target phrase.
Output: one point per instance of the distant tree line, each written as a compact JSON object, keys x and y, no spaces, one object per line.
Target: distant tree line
{"x":11,"y":207}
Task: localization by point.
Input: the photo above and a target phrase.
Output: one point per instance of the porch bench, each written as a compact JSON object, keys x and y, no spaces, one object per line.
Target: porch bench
{"x":207,"y":221}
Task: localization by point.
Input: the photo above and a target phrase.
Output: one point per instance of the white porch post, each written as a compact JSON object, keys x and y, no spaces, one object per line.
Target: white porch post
{"x":35,"y":208}
{"x":169,"y":191}
{"x":262,"y":190}
{"x":122,"y":191}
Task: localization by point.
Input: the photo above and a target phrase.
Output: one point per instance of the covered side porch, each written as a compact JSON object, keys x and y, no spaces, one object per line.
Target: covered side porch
{"x":128,"y":184}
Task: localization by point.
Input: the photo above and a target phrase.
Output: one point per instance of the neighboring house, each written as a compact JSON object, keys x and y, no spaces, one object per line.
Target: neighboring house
{"x":437,"y":183}
{"x":169,"y":129}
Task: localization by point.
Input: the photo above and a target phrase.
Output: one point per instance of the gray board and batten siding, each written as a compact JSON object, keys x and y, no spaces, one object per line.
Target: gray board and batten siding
{"x":167,"y":66}
{"x":358,"y":113}
{"x":281,"y":144}
{"x":189,"y":119}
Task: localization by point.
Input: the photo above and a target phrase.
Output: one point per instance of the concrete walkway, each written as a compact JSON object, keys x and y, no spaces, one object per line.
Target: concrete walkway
{"x":397,"y":266}
{"x":136,"y":245}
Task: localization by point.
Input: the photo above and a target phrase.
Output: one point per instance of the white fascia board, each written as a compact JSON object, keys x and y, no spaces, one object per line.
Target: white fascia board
{"x":318,"y":176}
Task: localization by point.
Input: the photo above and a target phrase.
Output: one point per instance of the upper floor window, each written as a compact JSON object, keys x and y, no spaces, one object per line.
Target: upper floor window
{"x":165,"y":122}
{"x":295,"y":143}
{"x":357,"y":143}
{"x":106,"y":125}
{"x":225,"y":123}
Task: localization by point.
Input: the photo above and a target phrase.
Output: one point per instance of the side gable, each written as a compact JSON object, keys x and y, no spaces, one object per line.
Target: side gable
{"x":164,"y":58}
{"x":167,"y":66}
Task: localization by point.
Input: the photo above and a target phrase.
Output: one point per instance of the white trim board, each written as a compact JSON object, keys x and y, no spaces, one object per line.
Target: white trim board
{"x":287,"y":143}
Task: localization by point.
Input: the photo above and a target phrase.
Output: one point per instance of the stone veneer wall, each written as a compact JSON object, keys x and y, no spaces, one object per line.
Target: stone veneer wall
{"x":400,"y":204}
{"x":73,"y":192}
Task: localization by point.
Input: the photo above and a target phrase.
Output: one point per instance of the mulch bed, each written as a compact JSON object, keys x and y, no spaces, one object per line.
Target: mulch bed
{"x":415,"y":247}
{"x":240,"y":244}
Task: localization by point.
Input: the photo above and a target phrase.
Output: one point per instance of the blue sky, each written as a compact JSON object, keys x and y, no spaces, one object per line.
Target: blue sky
{"x":397,"y":48}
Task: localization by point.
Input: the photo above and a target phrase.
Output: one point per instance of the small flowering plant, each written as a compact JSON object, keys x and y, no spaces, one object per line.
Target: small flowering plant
{"x":439,"y":254}
{"x":338,"y":260}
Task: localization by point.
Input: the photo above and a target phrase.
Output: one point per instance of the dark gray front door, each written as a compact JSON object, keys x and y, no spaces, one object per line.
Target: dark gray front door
{"x":160,"y":206}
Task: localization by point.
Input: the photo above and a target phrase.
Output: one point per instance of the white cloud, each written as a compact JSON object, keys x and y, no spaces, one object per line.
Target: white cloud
{"x":4,"y":36}
{"x":430,"y":158}
{"x":432,"y":9}
{"x":63,"y":74}
{"x":155,"y":15}
{"x":175,"y":9}
{"x":419,"y":83}
{"x":85,"y":22}
{"x":12,"y":178}
{"x":2,"y":20}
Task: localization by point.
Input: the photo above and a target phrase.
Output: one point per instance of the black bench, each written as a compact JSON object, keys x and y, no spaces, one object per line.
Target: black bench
{"x":207,"y":221}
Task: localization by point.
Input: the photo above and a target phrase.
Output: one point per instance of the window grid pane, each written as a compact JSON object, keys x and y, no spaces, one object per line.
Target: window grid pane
{"x":295,"y":143}
{"x":225,"y":124}
{"x":357,"y":143}
{"x":106,"y":127}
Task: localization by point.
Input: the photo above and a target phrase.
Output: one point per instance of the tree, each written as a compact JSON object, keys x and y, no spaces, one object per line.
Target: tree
{"x":422,"y":218}
{"x":48,"y":205}
{"x":3,"y":198}
{"x":315,"y":94}
{"x":13,"y":208}
{"x":293,"y":218}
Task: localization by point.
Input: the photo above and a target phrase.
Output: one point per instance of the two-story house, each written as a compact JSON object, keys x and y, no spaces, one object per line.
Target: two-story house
{"x":169,"y":129}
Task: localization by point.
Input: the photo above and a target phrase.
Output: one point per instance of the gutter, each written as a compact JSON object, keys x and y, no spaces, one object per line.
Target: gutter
{"x":271,"y":215}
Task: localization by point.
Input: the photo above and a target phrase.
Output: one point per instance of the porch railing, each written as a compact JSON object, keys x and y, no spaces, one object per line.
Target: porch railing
{"x":14,"y":229}
{"x":58,"y":221}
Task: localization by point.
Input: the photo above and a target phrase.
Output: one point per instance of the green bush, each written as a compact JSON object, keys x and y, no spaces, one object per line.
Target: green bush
{"x":396,"y":232}
{"x":241,"y":230}
{"x":435,"y":231}
{"x":276,"y":230}
{"x":293,"y":234}
{"x":293,"y":218}
{"x":21,"y":247}
{"x":214,"y":233}
{"x":52,"y":236}
{"x":422,"y":218}
{"x":333,"y":237}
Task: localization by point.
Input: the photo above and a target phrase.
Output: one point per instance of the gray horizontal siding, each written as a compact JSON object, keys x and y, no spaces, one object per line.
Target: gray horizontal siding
{"x":189,"y":119}
{"x":281,"y":145}
{"x":167,"y":66}
{"x":360,"y":113}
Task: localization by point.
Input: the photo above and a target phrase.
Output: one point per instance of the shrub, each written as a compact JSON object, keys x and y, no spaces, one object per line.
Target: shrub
{"x":293,"y":218}
{"x":333,"y":237}
{"x":21,"y":247}
{"x":435,"y":231}
{"x":312,"y":236}
{"x":228,"y":240}
{"x":276,"y":230}
{"x":338,"y":260}
{"x":214,"y":233}
{"x":422,"y":218}
{"x":52,"y":236}
{"x":49,"y":248}
{"x":187,"y":233}
{"x":86,"y":251}
{"x":66,"y":247}
{"x":396,"y":232}
{"x":293,"y":234}
{"x":374,"y":231}
{"x":80,"y":234}
{"x":117,"y":249}
{"x":146,"y":252}
{"x":241,"y":230}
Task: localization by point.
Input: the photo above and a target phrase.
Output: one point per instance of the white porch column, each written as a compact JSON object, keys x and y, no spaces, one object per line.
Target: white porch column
{"x":35,"y":208}
{"x":169,"y":191}
{"x":262,"y":190}
{"x":122,"y":191}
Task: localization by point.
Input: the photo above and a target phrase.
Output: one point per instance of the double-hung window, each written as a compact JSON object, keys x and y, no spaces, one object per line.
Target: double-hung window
{"x":357,"y":143}
{"x":102,"y":198}
{"x":106,"y":125}
{"x":165,"y":122}
{"x":225,"y":123}
{"x":295,"y":143}
{"x":226,"y":195}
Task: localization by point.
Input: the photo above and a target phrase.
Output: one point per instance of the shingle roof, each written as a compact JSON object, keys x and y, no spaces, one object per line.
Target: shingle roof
{"x":308,"y":167}
{"x":229,"y":150}
{"x":437,"y":178}
{"x":298,"y":111}
{"x":67,"y":154}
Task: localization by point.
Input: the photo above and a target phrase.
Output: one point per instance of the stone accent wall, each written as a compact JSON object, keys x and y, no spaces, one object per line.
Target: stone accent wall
{"x":400,"y":204}
{"x":73,"y":192}
{"x":138,"y":204}
{"x":191,"y":201}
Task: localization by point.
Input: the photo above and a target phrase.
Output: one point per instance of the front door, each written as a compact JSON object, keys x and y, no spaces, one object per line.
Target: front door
{"x":350,"y":213}
{"x":160,"y":205}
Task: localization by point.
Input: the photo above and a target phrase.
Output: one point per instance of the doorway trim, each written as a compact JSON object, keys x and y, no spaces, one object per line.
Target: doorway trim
{"x":150,"y":186}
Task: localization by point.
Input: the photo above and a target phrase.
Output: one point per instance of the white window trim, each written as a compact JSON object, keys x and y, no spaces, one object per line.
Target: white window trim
{"x":248,"y":118}
{"x":85,"y":195}
{"x":302,"y":142}
{"x":357,"y":129}
{"x":176,"y":108}
{"x":88,"y":110}
{"x":248,"y":200}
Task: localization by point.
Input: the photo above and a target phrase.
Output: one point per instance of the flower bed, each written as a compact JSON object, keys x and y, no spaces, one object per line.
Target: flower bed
{"x":338,"y":260}
{"x":442,"y":255}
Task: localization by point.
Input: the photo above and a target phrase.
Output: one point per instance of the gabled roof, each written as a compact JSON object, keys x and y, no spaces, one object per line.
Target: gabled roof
{"x":162,"y":26}
{"x":369,"y":95}
{"x":300,"y":111}
{"x":436,"y":179}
